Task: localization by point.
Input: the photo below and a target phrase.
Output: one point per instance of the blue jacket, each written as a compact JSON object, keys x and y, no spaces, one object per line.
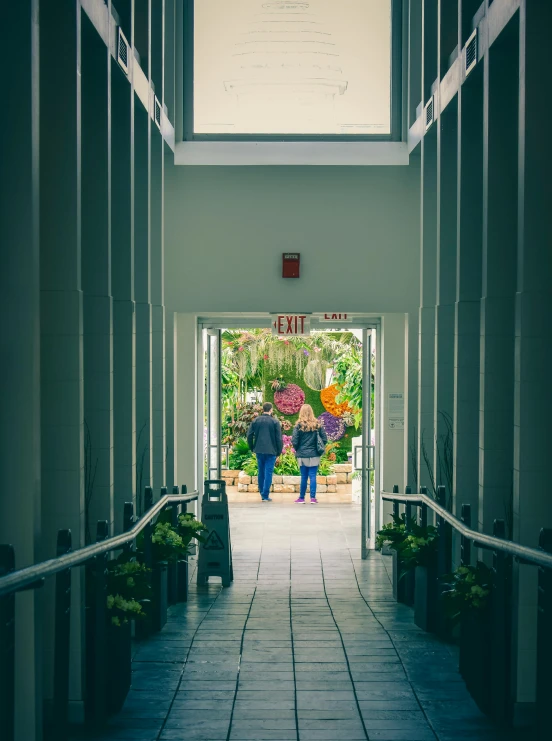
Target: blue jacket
{"x":265,"y":435}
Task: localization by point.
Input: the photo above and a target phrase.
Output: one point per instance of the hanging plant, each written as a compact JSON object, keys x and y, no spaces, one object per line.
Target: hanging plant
{"x":328,"y":398}
{"x":315,"y":374}
{"x":289,"y":400}
{"x":334,"y":426}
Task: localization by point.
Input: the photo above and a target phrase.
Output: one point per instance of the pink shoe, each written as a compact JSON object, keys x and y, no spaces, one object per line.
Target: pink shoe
{"x":299,"y":501}
{"x":314,"y":501}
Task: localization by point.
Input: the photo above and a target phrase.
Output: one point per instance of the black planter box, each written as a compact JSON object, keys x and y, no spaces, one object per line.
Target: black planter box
{"x":118,"y":666}
{"x":475,"y":656}
{"x":426,"y":598}
{"x":160,"y":596}
{"x":400,"y":586}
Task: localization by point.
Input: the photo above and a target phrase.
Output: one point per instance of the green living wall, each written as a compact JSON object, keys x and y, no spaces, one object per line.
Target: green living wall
{"x":289,"y":375}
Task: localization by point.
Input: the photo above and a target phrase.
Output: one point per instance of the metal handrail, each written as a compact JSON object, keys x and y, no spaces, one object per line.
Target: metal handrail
{"x":22,"y":578}
{"x":523,"y":552}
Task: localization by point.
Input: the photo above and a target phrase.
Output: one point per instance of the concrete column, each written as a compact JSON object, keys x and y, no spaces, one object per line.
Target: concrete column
{"x":428,"y":283}
{"x":532,"y":503}
{"x":158,"y":312}
{"x":468,"y":294}
{"x":447,"y":151}
{"x":122,"y":264}
{"x":96,"y":276}
{"x":500,"y":164}
{"x":20,"y":341}
{"x":142,"y":288}
{"x":170,"y":398}
{"x":62,"y":383}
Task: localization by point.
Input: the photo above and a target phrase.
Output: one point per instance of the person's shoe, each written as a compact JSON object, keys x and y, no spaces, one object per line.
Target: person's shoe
{"x":300,"y":501}
{"x":266,"y":499}
{"x":314,"y":500}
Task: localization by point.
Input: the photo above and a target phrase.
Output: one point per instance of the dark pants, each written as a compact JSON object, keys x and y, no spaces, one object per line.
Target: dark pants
{"x":266,"y":465}
{"x":308,"y":473}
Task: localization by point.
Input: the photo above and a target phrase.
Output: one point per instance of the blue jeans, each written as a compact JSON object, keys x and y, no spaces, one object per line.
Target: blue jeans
{"x":266,"y":465}
{"x":308,"y":473}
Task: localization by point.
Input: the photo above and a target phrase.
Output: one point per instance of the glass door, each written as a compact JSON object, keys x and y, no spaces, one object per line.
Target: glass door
{"x":213,"y":403}
{"x":368,"y":450}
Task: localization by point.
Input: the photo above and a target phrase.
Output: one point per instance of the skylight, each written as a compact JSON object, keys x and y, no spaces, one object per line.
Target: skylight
{"x":271,"y":68}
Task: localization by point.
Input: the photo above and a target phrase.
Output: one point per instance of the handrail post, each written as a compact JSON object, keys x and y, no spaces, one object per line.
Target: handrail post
{"x":465,"y":543}
{"x":128,"y":522}
{"x":395,"y":504}
{"x":408,"y":510}
{"x":443,"y":557}
{"x":423,"y":508}
{"x":62,"y":640}
{"x":183,"y":574}
{"x":99,"y":652}
{"x":500,"y":633}
{"x":7,"y":649}
{"x":148,"y":502}
{"x":172,"y":574}
{"x":544,"y":641}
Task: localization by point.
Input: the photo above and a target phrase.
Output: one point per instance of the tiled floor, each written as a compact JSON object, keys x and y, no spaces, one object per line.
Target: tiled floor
{"x":306,"y":645}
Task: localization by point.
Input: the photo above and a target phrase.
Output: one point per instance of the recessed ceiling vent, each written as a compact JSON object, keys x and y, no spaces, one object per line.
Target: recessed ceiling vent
{"x":157,"y":113}
{"x":429,"y":113}
{"x":470,"y":54}
{"x":123,"y":51}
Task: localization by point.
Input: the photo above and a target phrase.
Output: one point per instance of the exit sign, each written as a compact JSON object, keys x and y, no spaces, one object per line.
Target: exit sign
{"x":336,"y":318}
{"x":290,"y":325}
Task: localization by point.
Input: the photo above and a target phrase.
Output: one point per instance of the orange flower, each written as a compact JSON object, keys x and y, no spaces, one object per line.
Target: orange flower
{"x":327,"y":396}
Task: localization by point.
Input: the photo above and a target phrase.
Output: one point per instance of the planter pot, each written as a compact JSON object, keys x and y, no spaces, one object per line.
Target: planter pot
{"x":403,"y":589}
{"x":475,"y":656}
{"x":399,"y":585}
{"x":118,"y":666}
{"x":426,"y":598}
{"x":160,"y":596}
{"x":182,"y":579}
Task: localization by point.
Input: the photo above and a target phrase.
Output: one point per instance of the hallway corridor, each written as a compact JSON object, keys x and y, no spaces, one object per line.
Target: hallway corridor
{"x":306,"y":645}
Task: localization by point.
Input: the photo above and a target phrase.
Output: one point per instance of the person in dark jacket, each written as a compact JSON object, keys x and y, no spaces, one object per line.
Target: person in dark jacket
{"x":309,"y":436}
{"x":264,"y":438}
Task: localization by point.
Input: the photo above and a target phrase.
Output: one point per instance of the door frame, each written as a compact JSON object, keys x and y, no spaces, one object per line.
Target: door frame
{"x":253,"y":320}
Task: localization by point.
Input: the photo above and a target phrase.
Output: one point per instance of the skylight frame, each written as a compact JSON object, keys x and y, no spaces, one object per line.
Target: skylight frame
{"x":189,"y":135}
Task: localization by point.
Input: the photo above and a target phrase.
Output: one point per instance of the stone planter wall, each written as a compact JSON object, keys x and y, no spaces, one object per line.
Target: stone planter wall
{"x":291,"y":484}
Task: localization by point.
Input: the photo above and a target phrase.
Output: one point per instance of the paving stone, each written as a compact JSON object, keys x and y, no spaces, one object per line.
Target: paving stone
{"x":293,"y":651}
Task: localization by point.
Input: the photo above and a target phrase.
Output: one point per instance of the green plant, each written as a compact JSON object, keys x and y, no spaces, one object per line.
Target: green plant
{"x":326,"y":466}
{"x":286,"y":464}
{"x":419,"y":548}
{"x":239,"y":454}
{"x":467,"y":588}
{"x":189,"y":528}
{"x":394,"y":532}
{"x":122,"y":609}
{"x":250,"y":467}
{"x":128,"y":589}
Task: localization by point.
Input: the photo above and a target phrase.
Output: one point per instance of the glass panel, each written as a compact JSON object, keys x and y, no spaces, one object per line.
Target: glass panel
{"x":213,"y":404}
{"x":321,"y":67}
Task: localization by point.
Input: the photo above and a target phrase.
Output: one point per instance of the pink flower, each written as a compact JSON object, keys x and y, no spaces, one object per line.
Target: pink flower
{"x":240,"y":349}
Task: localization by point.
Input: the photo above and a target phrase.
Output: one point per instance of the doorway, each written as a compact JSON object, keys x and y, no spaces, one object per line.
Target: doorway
{"x":361,"y":420}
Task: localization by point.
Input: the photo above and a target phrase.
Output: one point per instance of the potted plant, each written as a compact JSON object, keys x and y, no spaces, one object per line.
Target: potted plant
{"x":128,"y":596}
{"x":393,"y":534}
{"x":466,"y":597}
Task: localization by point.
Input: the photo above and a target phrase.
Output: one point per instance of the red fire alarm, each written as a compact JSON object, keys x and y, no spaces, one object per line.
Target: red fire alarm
{"x":290,"y":264}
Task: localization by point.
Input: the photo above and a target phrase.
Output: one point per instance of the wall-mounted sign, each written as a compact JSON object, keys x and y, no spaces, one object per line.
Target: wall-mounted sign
{"x":396,"y":411}
{"x":335,"y":318}
{"x":290,"y":325}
